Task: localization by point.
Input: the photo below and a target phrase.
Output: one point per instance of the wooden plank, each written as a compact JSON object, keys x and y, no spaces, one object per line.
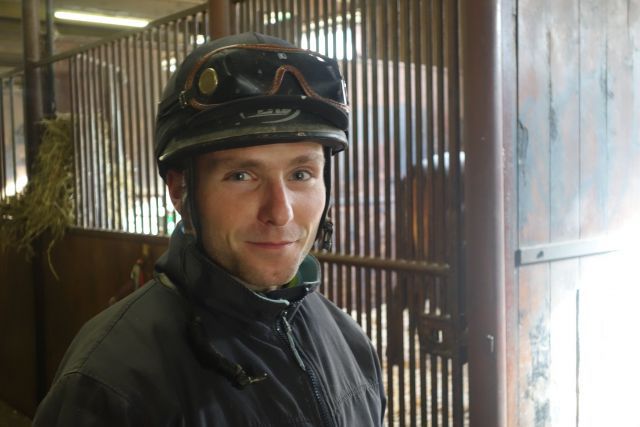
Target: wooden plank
{"x":17,"y":329}
{"x":608,"y":371}
{"x":533,"y":212}
{"x":564,"y":131}
{"x":622,"y":117}
{"x":593,"y":120}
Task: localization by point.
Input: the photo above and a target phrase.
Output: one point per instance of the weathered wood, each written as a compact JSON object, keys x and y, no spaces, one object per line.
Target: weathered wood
{"x":533,"y":210}
{"x":564,"y":221}
{"x":17,"y":329}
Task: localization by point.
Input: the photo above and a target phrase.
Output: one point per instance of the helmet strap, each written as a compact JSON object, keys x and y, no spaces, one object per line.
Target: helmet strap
{"x":325,"y":230}
{"x":194,"y":217}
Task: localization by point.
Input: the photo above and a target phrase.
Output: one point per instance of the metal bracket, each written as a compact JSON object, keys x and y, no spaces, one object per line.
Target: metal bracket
{"x":565,"y":250}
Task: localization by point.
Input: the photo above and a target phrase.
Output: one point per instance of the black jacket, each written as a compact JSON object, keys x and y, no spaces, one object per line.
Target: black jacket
{"x":171,"y":354}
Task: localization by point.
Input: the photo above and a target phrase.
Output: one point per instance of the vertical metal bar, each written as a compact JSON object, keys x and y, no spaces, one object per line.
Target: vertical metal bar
{"x":117,"y":51}
{"x":3,"y":159}
{"x":104,"y":136}
{"x":432,"y":174}
{"x":316,"y":20}
{"x":377,"y":202}
{"x":112,"y":138}
{"x":81,"y":142}
{"x":144,"y":140}
{"x":386,"y":8}
{"x":288,"y":19}
{"x":296,"y":21}
{"x":128,"y":114}
{"x":219,"y":22}
{"x":94,"y":142}
{"x":160,"y":82}
{"x":307,"y":21}
{"x":355,"y":177}
{"x":103,"y":129}
{"x":50,"y":90}
{"x":137,"y":152}
{"x":32,"y":82}
{"x":455,"y":281}
{"x":12,"y":142}
{"x":422,"y":103}
{"x":151,"y":102}
{"x":101,"y":121}
{"x":397,"y":168}
{"x":366,"y":161}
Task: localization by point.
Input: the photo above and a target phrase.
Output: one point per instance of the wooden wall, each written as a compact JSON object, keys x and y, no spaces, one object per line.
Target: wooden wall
{"x":17,"y":342}
{"x":578,"y":178}
{"x":92,"y":267}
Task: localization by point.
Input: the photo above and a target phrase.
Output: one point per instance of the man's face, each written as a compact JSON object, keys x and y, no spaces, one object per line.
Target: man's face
{"x":259,"y":209}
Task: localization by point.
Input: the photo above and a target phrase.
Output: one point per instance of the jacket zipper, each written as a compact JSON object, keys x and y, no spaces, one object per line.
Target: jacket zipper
{"x":287,"y":336}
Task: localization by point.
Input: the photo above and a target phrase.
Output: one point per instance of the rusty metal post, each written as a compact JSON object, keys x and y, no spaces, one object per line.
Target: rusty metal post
{"x":33,"y":116}
{"x":49,"y":91}
{"x":219,"y":18}
{"x":485,"y":213}
{"x":32,"y":77}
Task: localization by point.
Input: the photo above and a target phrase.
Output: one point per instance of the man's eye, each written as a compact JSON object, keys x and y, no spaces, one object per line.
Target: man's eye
{"x":240,"y":176}
{"x":301,"y":176}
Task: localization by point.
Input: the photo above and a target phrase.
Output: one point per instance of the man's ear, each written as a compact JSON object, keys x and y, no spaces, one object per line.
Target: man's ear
{"x":177,"y":187}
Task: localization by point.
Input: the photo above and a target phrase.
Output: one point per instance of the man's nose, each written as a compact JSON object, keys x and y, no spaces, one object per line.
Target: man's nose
{"x":276,"y":208}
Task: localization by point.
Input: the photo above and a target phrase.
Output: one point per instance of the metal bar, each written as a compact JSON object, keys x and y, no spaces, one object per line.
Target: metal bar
{"x":103,"y":123}
{"x":456,"y":280}
{"x":114,"y":141}
{"x":566,"y":250}
{"x":130,"y":104}
{"x":158,"y":185}
{"x":484,"y":208}
{"x":144,"y":118}
{"x":81,"y":139}
{"x":13,"y":135}
{"x":219,"y":22}
{"x":118,"y":75}
{"x":32,"y":83}
{"x":50,"y":90}
{"x":3,"y":145}
{"x":94,"y":188}
{"x":137,"y":152}
{"x":387,"y":187}
{"x":118,"y":36}
{"x":150,"y":101}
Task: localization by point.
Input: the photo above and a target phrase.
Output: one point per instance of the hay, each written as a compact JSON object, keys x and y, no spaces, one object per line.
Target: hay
{"x":46,"y":205}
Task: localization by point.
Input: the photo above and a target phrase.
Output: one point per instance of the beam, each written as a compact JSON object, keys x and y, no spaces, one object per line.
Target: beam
{"x":485,"y":209}
{"x":219,"y":18}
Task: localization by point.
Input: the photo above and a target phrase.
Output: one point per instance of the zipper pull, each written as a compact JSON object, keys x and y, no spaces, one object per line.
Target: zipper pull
{"x":292,"y":345}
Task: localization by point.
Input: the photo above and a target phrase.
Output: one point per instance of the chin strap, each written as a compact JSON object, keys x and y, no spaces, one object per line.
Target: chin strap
{"x":326,"y":234}
{"x":325,"y":230}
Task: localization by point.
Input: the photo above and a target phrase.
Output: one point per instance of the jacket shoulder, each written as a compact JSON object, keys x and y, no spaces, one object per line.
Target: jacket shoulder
{"x":123,"y":351}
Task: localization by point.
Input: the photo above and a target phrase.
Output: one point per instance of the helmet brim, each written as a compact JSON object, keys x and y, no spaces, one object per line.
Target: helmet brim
{"x":257,"y":121}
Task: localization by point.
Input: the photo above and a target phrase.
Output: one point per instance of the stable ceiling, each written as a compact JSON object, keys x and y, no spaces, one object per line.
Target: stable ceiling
{"x":68,"y":35}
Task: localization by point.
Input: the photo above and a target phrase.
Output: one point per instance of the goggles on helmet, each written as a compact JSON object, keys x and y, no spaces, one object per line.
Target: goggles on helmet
{"x":245,"y":70}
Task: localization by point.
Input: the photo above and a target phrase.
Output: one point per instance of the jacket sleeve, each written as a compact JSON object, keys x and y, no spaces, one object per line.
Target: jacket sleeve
{"x":79,"y":400}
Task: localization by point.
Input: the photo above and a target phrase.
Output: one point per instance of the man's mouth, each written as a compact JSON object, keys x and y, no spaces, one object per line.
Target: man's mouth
{"x":272,"y":244}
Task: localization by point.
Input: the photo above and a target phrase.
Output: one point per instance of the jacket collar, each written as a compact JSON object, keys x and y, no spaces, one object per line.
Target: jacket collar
{"x":213,"y":288}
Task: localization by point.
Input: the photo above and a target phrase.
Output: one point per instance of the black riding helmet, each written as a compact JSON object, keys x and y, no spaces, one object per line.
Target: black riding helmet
{"x":245,"y":90}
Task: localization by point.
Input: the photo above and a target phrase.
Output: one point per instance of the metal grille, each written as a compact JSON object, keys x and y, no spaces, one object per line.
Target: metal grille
{"x":398,"y":190}
{"x":13,"y":162}
{"x":115,"y":87}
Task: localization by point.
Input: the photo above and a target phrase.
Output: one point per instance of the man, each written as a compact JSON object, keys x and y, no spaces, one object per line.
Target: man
{"x":232,"y":330}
